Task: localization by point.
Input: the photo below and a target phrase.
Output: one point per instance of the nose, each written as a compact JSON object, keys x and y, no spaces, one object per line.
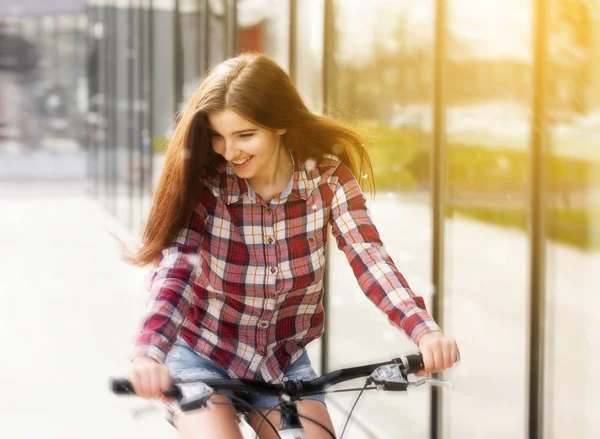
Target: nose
{"x":230,"y":152}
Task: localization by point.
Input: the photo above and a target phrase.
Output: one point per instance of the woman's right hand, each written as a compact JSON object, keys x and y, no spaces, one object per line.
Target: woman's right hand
{"x":150,"y":378}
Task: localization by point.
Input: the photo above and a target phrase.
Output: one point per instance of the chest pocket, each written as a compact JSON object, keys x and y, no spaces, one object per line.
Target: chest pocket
{"x":307,"y":257}
{"x":226,"y":259}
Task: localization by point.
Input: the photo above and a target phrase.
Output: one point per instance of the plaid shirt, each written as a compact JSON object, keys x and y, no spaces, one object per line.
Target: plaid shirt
{"x":242,"y":283}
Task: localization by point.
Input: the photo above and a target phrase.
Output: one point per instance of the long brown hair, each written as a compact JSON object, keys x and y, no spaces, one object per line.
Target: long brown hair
{"x":255,"y":87}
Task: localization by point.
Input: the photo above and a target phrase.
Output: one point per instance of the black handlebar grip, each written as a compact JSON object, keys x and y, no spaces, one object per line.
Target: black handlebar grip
{"x":414,"y":363}
{"x":123,"y":386}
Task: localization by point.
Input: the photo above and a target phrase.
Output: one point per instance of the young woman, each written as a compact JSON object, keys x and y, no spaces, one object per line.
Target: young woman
{"x":251,"y":185}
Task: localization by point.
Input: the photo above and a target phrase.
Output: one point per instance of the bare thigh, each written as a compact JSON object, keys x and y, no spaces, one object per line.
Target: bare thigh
{"x":216,"y":422}
{"x":313,"y":409}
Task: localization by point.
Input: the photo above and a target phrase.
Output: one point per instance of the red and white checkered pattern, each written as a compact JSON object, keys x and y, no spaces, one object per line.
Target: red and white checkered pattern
{"x":243,"y":281}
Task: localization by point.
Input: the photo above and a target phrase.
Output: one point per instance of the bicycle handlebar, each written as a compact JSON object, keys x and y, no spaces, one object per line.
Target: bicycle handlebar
{"x":298,"y":388}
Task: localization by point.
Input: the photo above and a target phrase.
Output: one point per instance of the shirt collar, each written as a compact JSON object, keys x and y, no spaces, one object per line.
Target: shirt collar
{"x":305,"y":178}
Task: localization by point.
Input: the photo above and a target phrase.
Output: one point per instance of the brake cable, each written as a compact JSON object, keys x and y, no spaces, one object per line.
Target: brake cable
{"x":368,"y":381}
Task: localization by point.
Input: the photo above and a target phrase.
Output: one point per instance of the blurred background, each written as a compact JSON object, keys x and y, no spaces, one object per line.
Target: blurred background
{"x":482,"y":119}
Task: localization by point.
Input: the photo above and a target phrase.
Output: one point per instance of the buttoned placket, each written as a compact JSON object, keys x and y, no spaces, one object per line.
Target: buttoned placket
{"x":271,"y":271}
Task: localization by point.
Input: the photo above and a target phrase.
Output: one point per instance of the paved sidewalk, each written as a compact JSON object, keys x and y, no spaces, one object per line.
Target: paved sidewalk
{"x":69,"y":309}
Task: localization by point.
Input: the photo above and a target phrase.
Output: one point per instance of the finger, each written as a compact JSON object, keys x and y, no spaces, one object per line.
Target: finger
{"x":165,"y":383}
{"x":447,"y":353}
{"x":147,"y":377}
{"x":422,"y":373}
{"x":437,"y":357}
{"x":136,"y":382}
{"x":155,"y":386}
{"x":143,"y":389}
{"x":427,"y":358}
{"x":454,"y":353}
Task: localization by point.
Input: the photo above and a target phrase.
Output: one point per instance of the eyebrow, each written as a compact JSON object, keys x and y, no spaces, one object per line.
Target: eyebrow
{"x":247,"y":130}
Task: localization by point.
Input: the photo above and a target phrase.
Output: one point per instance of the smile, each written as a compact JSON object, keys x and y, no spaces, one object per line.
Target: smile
{"x":241,"y":162}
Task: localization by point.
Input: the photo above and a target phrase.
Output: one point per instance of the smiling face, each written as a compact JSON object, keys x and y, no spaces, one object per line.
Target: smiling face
{"x":251,"y":150}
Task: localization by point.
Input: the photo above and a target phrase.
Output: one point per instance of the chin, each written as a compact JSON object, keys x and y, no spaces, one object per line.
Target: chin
{"x":243,"y":173}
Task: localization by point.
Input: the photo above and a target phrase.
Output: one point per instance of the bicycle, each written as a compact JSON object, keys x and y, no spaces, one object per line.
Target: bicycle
{"x":387,"y":376}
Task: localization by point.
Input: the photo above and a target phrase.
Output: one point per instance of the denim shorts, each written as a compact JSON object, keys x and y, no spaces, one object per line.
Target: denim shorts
{"x":184,"y":363}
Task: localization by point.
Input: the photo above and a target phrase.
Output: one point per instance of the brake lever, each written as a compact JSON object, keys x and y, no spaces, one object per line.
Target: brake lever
{"x":195,"y":396}
{"x":389,"y":377}
{"x":433,"y":381}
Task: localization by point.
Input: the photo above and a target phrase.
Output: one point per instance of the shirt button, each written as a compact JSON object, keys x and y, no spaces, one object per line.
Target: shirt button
{"x":268,"y":211}
{"x":273,"y":270}
{"x":262,"y":324}
{"x":272,"y":295}
{"x":270,"y":240}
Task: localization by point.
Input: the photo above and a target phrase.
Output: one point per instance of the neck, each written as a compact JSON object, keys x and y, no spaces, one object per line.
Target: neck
{"x":275,"y":179}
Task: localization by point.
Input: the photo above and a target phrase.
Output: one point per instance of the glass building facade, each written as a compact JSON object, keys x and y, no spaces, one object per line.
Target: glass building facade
{"x":43,"y":88}
{"x":482,"y":120}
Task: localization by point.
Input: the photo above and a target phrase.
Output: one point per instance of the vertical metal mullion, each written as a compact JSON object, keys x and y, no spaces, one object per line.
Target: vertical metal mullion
{"x":114,"y":109}
{"x":231,"y":28}
{"x":56,"y":49}
{"x":199,"y":32}
{"x":135,"y":107}
{"x":75,"y":71}
{"x":150,"y":151}
{"x":537,"y":253}
{"x":328,"y":69}
{"x":87,"y":134}
{"x":107,"y":35}
{"x":205,"y":35}
{"x":107,"y":102}
{"x":293,"y":5}
{"x":177,"y":58}
{"x":91,"y":131}
{"x":130,"y":107}
{"x":140,"y":143}
{"x":438,"y":175}
{"x":144,"y":87}
{"x":84,"y":50}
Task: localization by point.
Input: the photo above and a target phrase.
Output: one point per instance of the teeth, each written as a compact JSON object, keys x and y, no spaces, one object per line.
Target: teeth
{"x":242,"y":161}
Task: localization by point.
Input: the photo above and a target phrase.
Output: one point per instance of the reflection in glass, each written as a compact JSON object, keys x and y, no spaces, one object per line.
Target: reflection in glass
{"x":488,"y":99}
{"x":383,"y":82}
{"x":308,"y":76}
{"x":191,"y":46}
{"x":216,"y":31}
{"x":264,"y":26}
{"x":573,"y":221}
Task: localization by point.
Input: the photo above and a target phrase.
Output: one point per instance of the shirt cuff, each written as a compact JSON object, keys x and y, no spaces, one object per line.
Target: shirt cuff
{"x":418,"y":331}
{"x":149,"y":351}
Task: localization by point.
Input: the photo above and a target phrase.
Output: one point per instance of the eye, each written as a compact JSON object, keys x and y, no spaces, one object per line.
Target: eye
{"x":215,"y":135}
{"x":246,"y":135}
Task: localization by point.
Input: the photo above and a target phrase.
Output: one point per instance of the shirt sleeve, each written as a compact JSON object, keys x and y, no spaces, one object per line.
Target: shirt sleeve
{"x":376,"y":273}
{"x":170,"y":286}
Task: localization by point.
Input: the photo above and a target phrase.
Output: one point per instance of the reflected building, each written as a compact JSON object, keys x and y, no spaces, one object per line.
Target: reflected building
{"x":42,"y":75}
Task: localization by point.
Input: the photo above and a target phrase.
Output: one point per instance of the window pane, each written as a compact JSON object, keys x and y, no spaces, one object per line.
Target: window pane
{"x":488,"y":99}
{"x":264,"y":26}
{"x":190,"y":28}
{"x":309,"y":52}
{"x":383,"y":82}
{"x":573,"y":221}
{"x":121,"y":108}
{"x":216,"y":32}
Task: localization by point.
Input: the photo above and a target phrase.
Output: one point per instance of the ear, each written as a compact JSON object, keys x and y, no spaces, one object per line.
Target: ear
{"x":281,"y":132}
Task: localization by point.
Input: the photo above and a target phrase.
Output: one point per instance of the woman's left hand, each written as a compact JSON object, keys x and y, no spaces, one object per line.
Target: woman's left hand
{"x":439,"y":353}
